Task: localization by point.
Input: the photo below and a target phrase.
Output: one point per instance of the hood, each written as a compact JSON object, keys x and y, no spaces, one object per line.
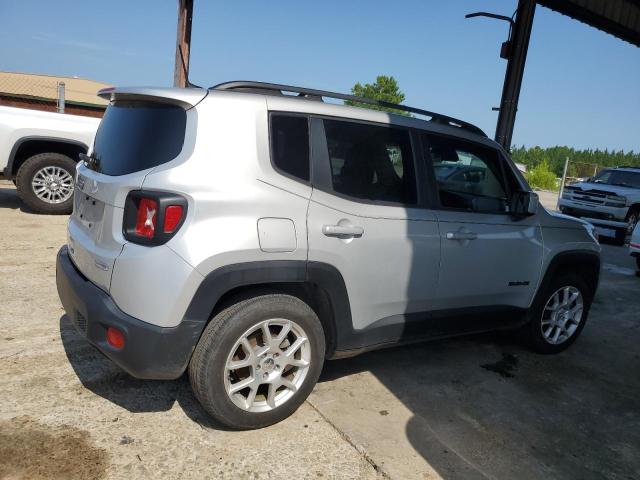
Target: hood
{"x":560,"y":220}
{"x":604,"y":188}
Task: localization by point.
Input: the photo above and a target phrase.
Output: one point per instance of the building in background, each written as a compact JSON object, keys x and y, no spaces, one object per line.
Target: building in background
{"x":41,"y":92}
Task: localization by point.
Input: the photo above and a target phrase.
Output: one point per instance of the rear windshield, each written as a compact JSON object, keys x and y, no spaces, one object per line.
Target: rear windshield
{"x":136,"y":135}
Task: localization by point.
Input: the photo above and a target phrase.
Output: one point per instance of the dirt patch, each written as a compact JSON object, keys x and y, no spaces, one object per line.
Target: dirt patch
{"x":30,"y":450}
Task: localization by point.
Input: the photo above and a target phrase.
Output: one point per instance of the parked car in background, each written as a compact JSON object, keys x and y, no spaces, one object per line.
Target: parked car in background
{"x":39,"y":152}
{"x":246,"y":234}
{"x":634,"y":245}
{"x":610,"y":200}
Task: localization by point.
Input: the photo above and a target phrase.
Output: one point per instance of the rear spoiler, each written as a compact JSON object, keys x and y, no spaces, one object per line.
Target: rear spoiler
{"x":185,"y":97}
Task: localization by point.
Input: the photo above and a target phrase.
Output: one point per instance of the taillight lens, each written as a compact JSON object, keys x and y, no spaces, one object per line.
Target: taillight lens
{"x":152,"y":218}
{"x":146,"y":218}
{"x":172,"y":217}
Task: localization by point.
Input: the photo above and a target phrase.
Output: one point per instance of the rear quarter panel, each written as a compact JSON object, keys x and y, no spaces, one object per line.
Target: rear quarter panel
{"x":229,"y":185}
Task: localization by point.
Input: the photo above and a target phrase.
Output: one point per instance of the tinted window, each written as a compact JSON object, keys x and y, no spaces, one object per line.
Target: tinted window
{"x":468,"y":176}
{"x":134,"y":136}
{"x":621,"y":178}
{"x":371,"y":162}
{"x":290,"y":145}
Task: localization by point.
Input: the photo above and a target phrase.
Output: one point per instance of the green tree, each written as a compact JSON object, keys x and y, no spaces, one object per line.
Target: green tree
{"x":385,"y":88}
{"x":541,"y":177}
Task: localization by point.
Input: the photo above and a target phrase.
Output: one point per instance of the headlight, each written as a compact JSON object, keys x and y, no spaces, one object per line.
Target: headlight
{"x":615,"y":201}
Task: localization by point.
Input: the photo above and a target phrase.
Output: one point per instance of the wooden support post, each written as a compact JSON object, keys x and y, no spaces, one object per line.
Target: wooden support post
{"x":183,"y":41}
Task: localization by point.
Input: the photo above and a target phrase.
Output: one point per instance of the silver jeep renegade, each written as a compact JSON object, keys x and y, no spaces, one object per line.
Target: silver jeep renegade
{"x":250,"y":231}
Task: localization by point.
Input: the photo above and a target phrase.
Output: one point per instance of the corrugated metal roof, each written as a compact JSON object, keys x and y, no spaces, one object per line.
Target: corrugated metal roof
{"x":620,"y":18}
{"x":45,"y":87}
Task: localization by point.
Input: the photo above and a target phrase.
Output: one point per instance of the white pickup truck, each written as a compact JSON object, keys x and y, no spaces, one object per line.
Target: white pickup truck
{"x":39,"y":151}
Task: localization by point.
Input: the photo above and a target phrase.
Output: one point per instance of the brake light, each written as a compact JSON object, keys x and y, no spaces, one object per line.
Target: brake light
{"x":172,"y":217}
{"x":146,"y":218}
{"x":152,"y":218}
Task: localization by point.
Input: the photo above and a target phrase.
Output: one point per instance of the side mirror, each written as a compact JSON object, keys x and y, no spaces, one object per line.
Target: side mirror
{"x":524,"y":204}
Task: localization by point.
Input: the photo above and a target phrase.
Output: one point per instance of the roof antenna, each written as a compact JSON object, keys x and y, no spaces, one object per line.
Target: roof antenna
{"x":186,"y":72}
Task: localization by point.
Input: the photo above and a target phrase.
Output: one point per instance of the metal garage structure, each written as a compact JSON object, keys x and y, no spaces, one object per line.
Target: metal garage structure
{"x":620,"y":18}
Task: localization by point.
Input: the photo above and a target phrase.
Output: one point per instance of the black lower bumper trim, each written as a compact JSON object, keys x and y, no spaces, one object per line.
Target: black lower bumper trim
{"x":150,"y":351}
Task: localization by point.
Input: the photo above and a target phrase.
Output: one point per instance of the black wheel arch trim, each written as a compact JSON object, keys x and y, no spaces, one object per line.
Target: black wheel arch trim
{"x":272,"y":272}
{"x":588,"y":258}
{"x":8,"y":171}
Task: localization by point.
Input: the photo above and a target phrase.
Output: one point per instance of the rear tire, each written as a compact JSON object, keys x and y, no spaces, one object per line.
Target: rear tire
{"x":45,"y":183}
{"x":632,"y":220}
{"x":262,"y":362}
{"x":545,"y":322}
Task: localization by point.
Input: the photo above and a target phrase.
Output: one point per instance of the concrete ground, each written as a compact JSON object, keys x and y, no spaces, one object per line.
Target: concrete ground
{"x":476,"y":407}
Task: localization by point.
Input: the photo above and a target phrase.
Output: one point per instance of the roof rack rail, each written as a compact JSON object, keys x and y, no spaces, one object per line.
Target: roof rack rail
{"x":312,"y":94}
{"x":633,"y":167}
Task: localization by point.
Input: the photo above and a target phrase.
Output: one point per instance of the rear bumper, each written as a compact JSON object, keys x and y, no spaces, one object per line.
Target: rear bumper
{"x":150,"y":352}
{"x":578,"y":209}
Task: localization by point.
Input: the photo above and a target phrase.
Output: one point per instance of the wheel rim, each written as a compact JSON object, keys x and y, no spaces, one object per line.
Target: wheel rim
{"x":52,"y":184}
{"x":267,"y":365}
{"x":562,"y":315}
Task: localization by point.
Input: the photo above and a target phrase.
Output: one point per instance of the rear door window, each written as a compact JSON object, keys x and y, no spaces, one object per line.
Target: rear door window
{"x":371,"y":162}
{"x":135,"y":136}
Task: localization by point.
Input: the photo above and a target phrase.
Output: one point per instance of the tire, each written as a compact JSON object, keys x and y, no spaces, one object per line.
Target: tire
{"x":532,"y":332}
{"x":638,"y":262}
{"x":57,"y":164}
{"x":632,"y":220}
{"x":211,"y":379}
{"x":620,"y":236}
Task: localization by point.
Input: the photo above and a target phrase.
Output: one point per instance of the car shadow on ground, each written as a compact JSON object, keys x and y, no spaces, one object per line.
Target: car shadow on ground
{"x":101,"y":376}
{"x":9,"y":198}
{"x":486,"y":407}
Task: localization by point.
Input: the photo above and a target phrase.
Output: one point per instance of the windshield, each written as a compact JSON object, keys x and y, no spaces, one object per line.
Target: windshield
{"x":618,"y":177}
{"x":135,"y":136}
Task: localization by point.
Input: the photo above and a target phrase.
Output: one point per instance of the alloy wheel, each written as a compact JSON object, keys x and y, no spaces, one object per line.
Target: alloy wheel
{"x":52,"y":184}
{"x":562,"y":315}
{"x":267,"y":365}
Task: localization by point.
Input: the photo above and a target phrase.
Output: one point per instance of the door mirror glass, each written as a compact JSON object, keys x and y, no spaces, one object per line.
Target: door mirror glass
{"x":524,"y":203}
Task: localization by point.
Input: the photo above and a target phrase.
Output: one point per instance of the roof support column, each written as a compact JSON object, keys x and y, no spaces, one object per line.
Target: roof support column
{"x":515,"y":71}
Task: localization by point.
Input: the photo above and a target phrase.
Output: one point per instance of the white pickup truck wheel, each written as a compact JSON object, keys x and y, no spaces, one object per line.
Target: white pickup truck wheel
{"x":45,"y":183}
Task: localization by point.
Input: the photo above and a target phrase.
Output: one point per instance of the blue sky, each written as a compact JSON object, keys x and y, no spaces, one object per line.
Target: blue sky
{"x":581,"y":86}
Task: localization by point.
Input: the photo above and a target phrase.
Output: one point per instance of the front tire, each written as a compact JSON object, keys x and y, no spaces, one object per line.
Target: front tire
{"x":45,"y":183}
{"x":559,"y":314}
{"x":257,"y":361}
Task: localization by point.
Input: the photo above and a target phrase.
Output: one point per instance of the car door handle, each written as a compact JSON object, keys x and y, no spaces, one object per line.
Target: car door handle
{"x":342,"y":231}
{"x":461,"y":236}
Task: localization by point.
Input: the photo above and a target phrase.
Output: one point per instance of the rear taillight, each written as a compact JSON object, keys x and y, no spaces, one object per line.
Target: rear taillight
{"x":172,"y":217}
{"x":146,"y":218}
{"x":152,"y":218}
